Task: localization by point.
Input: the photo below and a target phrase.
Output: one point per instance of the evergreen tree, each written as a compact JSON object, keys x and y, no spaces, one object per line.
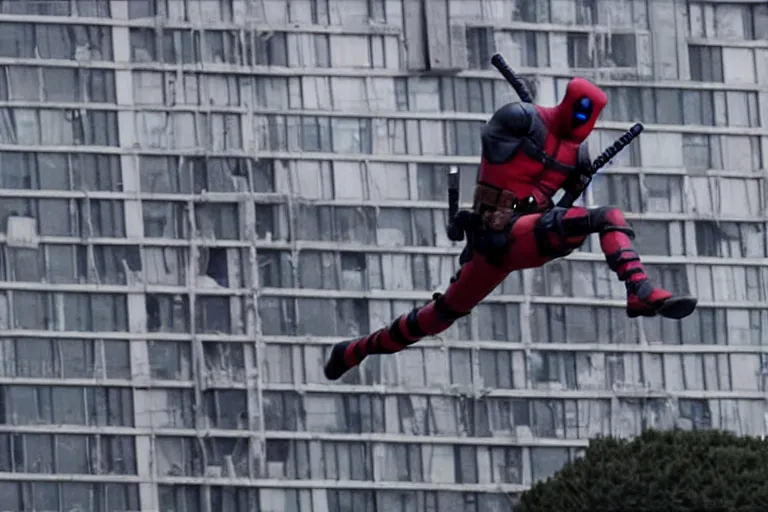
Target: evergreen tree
{"x":659,"y":471}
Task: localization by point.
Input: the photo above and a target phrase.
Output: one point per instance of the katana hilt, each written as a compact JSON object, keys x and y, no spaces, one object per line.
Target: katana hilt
{"x":501,"y":65}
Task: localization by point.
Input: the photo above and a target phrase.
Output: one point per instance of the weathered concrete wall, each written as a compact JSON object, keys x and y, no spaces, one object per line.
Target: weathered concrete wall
{"x":198,"y":197}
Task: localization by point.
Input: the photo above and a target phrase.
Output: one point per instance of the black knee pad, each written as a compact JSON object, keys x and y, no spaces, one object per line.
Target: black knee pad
{"x":552,"y":222}
{"x":601,"y":221}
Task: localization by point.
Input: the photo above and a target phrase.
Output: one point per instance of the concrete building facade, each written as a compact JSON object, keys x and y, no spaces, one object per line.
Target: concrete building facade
{"x":200,"y":196}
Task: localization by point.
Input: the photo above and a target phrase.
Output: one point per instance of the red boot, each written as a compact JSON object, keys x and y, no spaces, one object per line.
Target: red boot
{"x":644,"y":299}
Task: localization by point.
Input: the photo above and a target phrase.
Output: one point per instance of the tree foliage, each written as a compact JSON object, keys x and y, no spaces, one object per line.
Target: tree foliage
{"x":660,"y":471}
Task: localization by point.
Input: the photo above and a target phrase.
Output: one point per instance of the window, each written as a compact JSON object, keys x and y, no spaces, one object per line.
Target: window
{"x":102,"y":312}
{"x":71,"y":495}
{"x":45,"y":8}
{"x":545,"y":462}
{"x":432,"y":182}
{"x":403,"y":462}
{"x":730,"y":239}
{"x":213,"y":314}
{"x":586,"y":12}
{"x":222,"y":46}
{"x":659,"y":237}
{"x":170,"y":360}
{"x":50,"y":41}
{"x":534,"y":48}
{"x":480,"y":46}
{"x":553,"y":367}
{"x":60,"y":171}
{"x":101,"y":264}
{"x":28,"y":126}
{"x":697,"y":153}
{"x":496,"y":369}
{"x":100,"y":218}
{"x":178,"y":456}
{"x":672,"y":106}
{"x":582,"y":324}
{"x":712,"y":195}
{"x":285,"y":411}
{"x":462,"y":138}
{"x":167,"y":313}
{"x":189,"y":498}
{"x":226,"y":409}
{"x":338,"y":223}
{"x":173,"y":46}
{"x":70,"y":405}
{"x":278,"y":316}
{"x":620,"y":190}
{"x":628,"y":104}
{"x":352,"y":136}
{"x":706,"y":63}
{"x":537,"y":12}
{"x":731,"y":21}
{"x":316,"y":50}
{"x":273,"y":92}
{"x":165,"y":220}
{"x":742,"y":108}
{"x":220,"y":221}
{"x":498,"y":322}
{"x":67,"y":85}
{"x":696,"y":412}
{"x":315,"y":134}
{"x":267,"y":49}
{"x":579,"y":54}
{"x":218,"y":132}
{"x":70,"y":359}
{"x":698,"y":107}
{"x":663,"y":193}
{"x":314,"y":317}
{"x":620,"y":52}
{"x":467,"y":95}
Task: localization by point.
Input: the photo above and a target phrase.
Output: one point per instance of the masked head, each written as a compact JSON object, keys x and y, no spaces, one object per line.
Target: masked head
{"x":579,"y":110}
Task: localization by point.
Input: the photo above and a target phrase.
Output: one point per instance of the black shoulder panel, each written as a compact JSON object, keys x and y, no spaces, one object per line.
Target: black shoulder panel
{"x":538,"y":131}
{"x":503,"y":134}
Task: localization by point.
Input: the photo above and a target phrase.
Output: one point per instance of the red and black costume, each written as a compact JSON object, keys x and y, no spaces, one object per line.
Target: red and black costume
{"x":529,"y":154}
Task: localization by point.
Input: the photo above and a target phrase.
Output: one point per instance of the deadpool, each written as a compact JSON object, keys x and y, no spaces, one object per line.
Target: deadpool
{"x":530,"y":153}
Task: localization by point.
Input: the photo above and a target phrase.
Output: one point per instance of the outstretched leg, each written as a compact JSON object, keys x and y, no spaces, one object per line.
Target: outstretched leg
{"x":561,"y":230}
{"x":476,"y":279}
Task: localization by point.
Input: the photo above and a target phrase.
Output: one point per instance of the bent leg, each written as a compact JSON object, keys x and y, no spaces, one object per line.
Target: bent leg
{"x":473,"y":282}
{"x":560,"y":231}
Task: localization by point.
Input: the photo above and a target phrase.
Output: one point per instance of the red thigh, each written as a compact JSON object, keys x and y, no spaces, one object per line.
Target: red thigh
{"x":523,"y":250}
{"x":475,"y":281}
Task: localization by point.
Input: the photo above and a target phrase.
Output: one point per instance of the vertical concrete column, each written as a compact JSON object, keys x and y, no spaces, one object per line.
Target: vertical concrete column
{"x":134,"y":226}
{"x":254,"y":351}
{"x":662,"y":17}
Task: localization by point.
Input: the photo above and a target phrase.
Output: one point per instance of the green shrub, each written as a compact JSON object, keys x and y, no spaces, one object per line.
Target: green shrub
{"x":659,"y":471}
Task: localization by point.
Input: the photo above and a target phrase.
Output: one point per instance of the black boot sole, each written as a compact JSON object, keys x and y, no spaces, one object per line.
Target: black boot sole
{"x":335,"y":368}
{"x":675,"y":308}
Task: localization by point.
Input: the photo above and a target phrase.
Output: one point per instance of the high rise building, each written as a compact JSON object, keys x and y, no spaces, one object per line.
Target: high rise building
{"x":200,"y":196}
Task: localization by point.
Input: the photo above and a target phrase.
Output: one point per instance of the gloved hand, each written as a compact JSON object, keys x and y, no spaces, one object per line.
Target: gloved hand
{"x":459,"y":225}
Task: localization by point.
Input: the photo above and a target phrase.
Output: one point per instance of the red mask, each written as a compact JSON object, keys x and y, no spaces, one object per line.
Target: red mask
{"x":577,"y":114}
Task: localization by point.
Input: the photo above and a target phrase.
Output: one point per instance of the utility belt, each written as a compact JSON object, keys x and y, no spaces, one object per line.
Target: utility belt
{"x":497,"y":207}
{"x":487,"y":225}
